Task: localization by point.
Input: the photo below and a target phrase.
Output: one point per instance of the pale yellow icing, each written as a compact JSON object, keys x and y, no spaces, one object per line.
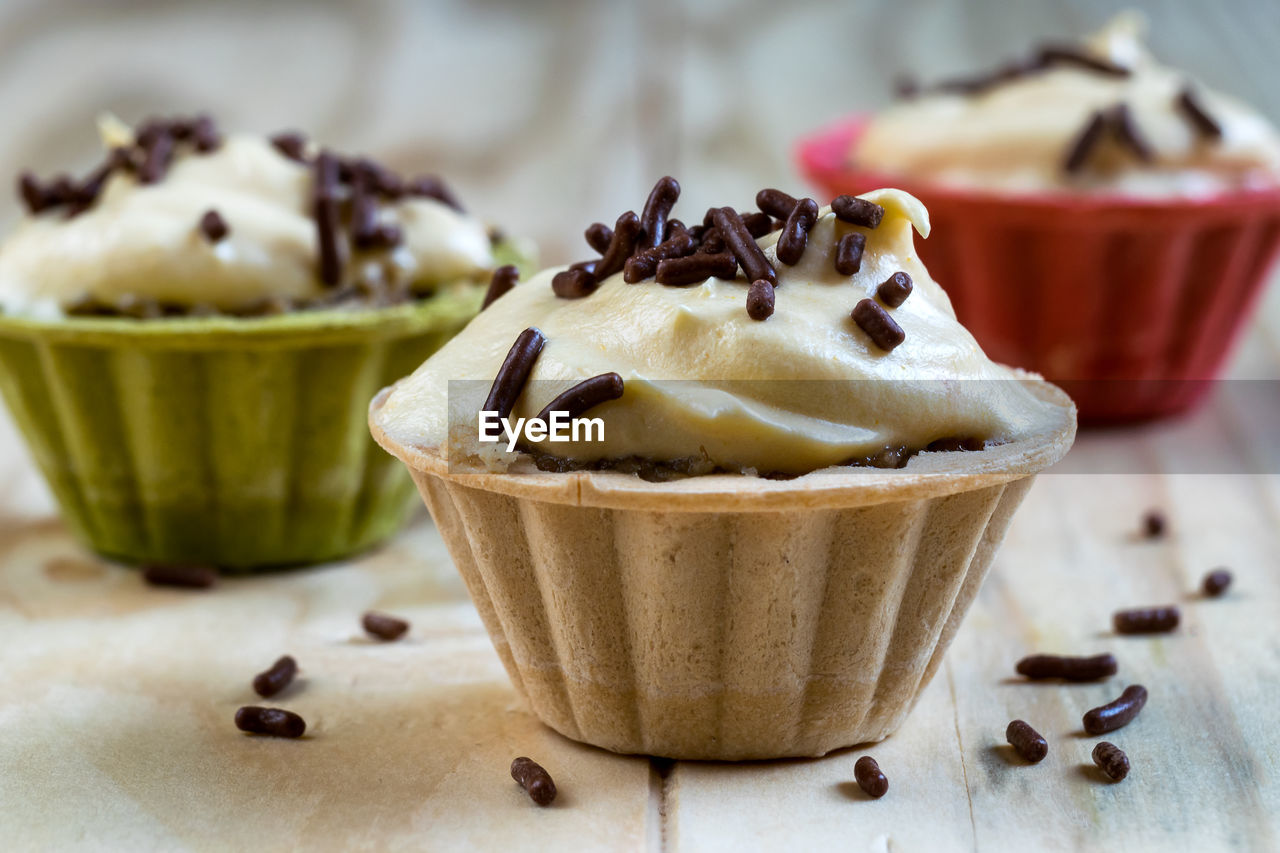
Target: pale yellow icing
{"x":143,"y":240}
{"x":804,"y":389}
{"x":1015,"y":136}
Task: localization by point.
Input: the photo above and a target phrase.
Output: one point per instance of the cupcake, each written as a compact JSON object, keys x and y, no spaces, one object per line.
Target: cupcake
{"x":189,"y":336}
{"x":1102,"y":219}
{"x":793,"y":469}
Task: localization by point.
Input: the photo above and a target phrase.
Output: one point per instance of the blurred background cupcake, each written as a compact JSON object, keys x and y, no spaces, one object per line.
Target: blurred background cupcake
{"x":191,"y":332}
{"x":1100,"y":218}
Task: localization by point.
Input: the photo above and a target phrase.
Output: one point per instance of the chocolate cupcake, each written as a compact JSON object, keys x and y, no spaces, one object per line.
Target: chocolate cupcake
{"x":190,"y":332}
{"x":794,"y":470}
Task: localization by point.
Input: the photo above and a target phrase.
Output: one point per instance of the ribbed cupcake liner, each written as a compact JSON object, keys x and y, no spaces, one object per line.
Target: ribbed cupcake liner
{"x":239,"y":443}
{"x":1131,"y":305}
{"x":728,"y":617}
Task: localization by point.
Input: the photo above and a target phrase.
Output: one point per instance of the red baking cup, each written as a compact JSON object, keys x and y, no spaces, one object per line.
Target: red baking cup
{"x":1131,"y":305}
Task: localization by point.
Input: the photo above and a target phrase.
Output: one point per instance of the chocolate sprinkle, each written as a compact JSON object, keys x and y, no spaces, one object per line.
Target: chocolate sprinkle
{"x":1216,"y":582}
{"x":775,"y":203}
{"x":849,"y":252}
{"x":758,"y":224}
{"x":584,"y":396}
{"x":271,"y":681}
{"x":291,"y":144}
{"x":1026,"y":741}
{"x":1111,"y":760}
{"x":626,"y":232}
{"x":430,"y":186}
{"x":743,"y":246}
{"x":159,"y":154}
{"x":857,"y":211}
{"x":1146,"y":620}
{"x":795,"y":233}
{"x":332,"y":248}
{"x":1061,"y":54}
{"x":878,"y":325}
{"x":32,"y":193}
{"x":598,"y":236}
{"x":270,"y":721}
{"x":1126,"y":131}
{"x":514,"y":372}
{"x":364,"y":214}
{"x":535,"y":780}
{"x":204,"y":134}
{"x":1199,"y":118}
{"x":681,"y":272}
{"x":1085,"y":142}
{"x":760,"y":298}
{"x":870,"y":778}
{"x":574,"y":283}
{"x":213,"y":226}
{"x":894,"y":290}
{"x":504,"y":278}
{"x":644,"y":264}
{"x":1117,"y":714}
{"x":383,"y":626}
{"x":653,"y":218}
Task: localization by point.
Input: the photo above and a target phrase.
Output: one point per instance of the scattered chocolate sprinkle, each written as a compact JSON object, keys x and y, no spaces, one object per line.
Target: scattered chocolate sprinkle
{"x":383,"y":626}
{"x":1067,"y":668}
{"x":653,"y":217}
{"x":91,"y":187}
{"x":61,"y":190}
{"x":743,"y":246}
{"x":291,"y":144}
{"x":1064,"y":54}
{"x":574,"y":283}
{"x":626,"y":232}
{"x":504,"y":278}
{"x":857,"y":211}
{"x":1026,"y":741}
{"x":644,"y":264}
{"x":870,"y":779}
{"x":514,"y":372}
{"x":692,"y":269}
{"x":1117,"y":714}
{"x":674,"y":227}
{"x":878,"y":325}
{"x":895,"y":289}
{"x":1126,"y":131}
{"x":186,"y":577}
{"x":1146,"y":620}
{"x":271,"y":681}
{"x":155,"y":163}
{"x":586,"y":395}
{"x":430,"y":186}
{"x":213,"y":226}
{"x":276,"y":722}
{"x":1196,"y":114}
{"x":1084,"y":143}
{"x":32,"y":193}
{"x":1111,"y":760}
{"x":1154,"y":524}
{"x":760,"y":299}
{"x":332,"y":248}
{"x":775,"y":203}
{"x":534,"y":779}
{"x":849,"y":252}
{"x":599,"y":236}
{"x":204,"y":134}
{"x":795,"y":233}
{"x":1216,"y":582}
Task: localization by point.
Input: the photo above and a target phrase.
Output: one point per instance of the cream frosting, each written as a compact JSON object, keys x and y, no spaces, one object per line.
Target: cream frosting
{"x":143,"y":241}
{"x":799,"y":391}
{"x":1015,"y":136}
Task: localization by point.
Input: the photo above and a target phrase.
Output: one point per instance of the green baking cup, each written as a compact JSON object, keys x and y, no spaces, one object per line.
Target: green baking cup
{"x":234,"y":442}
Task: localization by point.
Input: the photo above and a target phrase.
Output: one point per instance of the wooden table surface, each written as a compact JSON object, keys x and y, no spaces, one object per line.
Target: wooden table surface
{"x":116,"y":699}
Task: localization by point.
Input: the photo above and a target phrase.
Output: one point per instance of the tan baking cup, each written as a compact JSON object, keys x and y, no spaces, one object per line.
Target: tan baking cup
{"x":729,"y":617}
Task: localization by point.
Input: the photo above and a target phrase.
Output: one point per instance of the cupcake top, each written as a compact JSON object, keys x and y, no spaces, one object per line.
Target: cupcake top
{"x":1100,"y":117}
{"x":179,"y":219}
{"x":776,"y":343}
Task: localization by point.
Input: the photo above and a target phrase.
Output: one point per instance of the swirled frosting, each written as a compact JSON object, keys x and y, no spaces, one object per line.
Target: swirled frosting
{"x":802,"y":390}
{"x":143,"y":240}
{"x":1015,"y":135}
